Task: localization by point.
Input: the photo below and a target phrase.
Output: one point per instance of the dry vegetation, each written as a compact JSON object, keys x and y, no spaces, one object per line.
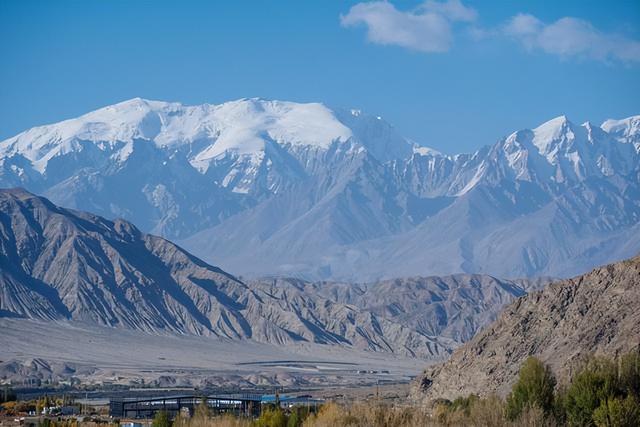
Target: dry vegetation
{"x":604,"y":393}
{"x":480,"y":412}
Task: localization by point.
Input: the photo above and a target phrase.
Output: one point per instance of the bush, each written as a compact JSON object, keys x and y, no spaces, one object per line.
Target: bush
{"x":596,"y":383}
{"x":161,"y":419}
{"x":488,"y":412}
{"x":534,"y":416}
{"x":534,"y":389}
{"x":463,"y":404}
{"x":272,"y":418}
{"x":618,"y":412}
{"x":630,"y":374}
{"x":297,"y":416}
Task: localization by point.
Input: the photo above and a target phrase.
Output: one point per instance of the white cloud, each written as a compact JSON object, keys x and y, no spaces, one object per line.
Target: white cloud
{"x":428,"y":28}
{"x":451,"y":9}
{"x":571,"y":37}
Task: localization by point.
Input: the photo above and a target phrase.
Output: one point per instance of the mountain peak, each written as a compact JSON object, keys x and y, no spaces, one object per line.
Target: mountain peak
{"x":137,"y":103}
{"x":553,"y":125}
{"x":549,"y":133}
{"x":625,"y":128}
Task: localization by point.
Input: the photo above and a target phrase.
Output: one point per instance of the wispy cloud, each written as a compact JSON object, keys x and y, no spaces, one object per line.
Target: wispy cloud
{"x":571,"y":37}
{"x":428,"y":28}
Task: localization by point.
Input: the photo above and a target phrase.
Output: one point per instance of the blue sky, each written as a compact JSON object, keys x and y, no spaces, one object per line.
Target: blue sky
{"x":453,"y":76}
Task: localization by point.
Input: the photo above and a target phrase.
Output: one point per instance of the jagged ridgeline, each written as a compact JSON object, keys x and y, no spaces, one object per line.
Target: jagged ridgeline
{"x":278,"y":188}
{"x":61,"y":264}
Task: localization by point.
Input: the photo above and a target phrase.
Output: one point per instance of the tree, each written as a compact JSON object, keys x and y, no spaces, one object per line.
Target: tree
{"x":161,"y":419}
{"x":534,"y":388}
{"x":463,"y":404}
{"x":630,"y":374}
{"x":272,"y":418}
{"x":592,"y":386}
{"x":294,"y":420}
{"x":297,"y":416}
{"x":618,"y":412}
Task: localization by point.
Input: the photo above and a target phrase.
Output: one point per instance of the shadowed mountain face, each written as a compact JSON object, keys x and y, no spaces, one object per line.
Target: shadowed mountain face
{"x":58,"y":264}
{"x":597,"y":313}
{"x":279,"y":188}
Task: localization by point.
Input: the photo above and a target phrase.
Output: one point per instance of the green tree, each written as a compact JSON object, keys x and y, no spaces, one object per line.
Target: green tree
{"x":618,"y":412}
{"x":297,"y":416}
{"x":630,"y":374}
{"x":294,"y":420}
{"x":272,"y":418}
{"x":596,"y":383}
{"x":161,"y":419}
{"x":560,"y":404}
{"x":534,"y":388}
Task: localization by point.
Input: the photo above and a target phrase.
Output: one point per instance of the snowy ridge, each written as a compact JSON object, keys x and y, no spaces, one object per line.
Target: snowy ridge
{"x":240,"y":126}
{"x":274,"y":187}
{"x":625,"y":130}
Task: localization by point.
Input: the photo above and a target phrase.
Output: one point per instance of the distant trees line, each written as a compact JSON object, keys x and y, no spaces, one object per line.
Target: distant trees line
{"x":7,"y":394}
{"x":603,"y":393}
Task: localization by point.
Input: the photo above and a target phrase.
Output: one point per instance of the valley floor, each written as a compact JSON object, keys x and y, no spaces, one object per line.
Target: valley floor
{"x":61,"y":351}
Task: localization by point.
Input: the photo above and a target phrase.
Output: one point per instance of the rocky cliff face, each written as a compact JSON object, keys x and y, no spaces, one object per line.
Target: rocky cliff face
{"x":59,"y":264}
{"x":597,"y":313}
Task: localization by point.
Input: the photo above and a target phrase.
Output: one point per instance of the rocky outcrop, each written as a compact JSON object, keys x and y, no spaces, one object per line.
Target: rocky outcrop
{"x":597,"y":313}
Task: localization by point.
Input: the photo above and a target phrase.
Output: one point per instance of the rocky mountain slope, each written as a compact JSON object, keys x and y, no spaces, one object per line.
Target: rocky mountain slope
{"x":277,"y":188}
{"x":597,"y":313}
{"x":59,"y":264}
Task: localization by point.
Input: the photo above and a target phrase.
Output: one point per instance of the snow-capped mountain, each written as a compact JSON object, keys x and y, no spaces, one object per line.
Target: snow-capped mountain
{"x":177,"y":169}
{"x":626,"y":130}
{"x":270,"y":187}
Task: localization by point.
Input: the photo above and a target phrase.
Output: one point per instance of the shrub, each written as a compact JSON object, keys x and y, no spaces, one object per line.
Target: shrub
{"x":630,"y":374}
{"x":297,"y":416}
{"x":534,"y":416}
{"x":272,"y":418}
{"x":534,"y":388}
{"x":488,"y":412}
{"x":596,"y":383}
{"x":618,"y":412}
{"x":161,"y":419}
{"x":463,"y":404}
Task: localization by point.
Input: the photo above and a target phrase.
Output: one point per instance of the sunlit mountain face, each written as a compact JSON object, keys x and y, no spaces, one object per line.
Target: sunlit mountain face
{"x":264,"y":187}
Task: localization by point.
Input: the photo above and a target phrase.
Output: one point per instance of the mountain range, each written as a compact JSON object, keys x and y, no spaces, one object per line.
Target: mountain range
{"x":59,"y":265}
{"x":265,"y":188}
